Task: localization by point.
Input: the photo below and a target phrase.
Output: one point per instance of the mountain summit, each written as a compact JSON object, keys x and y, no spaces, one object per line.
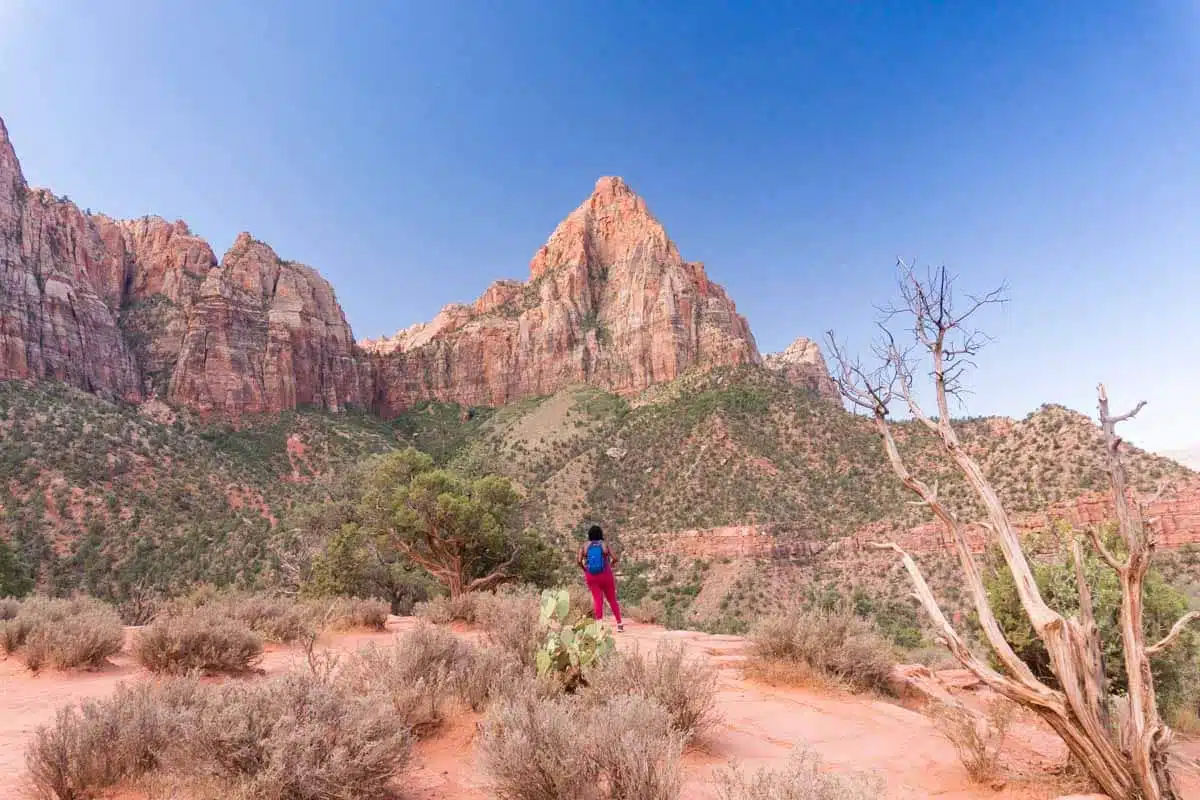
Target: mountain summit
{"x":609,"y":302}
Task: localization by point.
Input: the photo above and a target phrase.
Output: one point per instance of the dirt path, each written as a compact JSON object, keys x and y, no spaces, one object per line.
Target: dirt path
{"x":762,"y":726}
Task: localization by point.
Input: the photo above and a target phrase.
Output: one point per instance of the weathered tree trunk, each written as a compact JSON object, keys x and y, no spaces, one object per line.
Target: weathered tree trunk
{"x":1130,"y":767}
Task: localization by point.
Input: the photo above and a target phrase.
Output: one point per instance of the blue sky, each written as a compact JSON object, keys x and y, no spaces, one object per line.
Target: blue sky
{"x":413,"y":152}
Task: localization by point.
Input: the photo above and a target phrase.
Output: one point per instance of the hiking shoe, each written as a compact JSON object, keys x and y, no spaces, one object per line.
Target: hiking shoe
{"x":620,"y":627}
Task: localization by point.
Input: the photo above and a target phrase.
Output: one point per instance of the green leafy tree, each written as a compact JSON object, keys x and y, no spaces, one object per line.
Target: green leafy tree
{"x":464,"y":532}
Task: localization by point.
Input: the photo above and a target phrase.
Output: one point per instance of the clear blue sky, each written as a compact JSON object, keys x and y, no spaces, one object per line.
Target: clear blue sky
{"x":413,"y":152}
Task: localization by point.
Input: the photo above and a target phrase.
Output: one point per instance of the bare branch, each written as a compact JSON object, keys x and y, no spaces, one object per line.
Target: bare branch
{"x":1173,"y":636}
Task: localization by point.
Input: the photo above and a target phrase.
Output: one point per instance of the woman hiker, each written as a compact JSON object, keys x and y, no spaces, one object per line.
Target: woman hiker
{"x":597,"y":562}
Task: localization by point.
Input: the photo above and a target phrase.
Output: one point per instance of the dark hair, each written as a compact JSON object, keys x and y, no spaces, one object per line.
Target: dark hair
{"x":595,"y":534}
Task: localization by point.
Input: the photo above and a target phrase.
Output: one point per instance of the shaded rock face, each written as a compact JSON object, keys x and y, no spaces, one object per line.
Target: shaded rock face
{"x":130,"y":309}
{"x":609,"y":302}
{"x":803,"y":365}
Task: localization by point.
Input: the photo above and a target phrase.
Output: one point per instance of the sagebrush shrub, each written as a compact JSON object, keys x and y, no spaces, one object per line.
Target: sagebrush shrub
{"x":685,"y":687}
{"x":297,"y":737}
{"x":510,"y":622}
{"x":834,"y":644}
{"x":276,"y":619}
{"x":294,"y":737}
{"x":79,"y":632}
{"x":99,"y":743}
{"x":349,"y":613}
{"x":977,"y":738}
{"x":538,"y":748}
{"x":200,"y":641}
{"x":417,"y":673}
{"x":803,"y":779}
{"x":442,"y":610}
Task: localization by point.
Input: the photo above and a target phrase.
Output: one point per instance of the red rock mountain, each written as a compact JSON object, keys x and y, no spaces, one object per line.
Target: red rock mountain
{"x":609,"y":301}
{"x":132,"y":309}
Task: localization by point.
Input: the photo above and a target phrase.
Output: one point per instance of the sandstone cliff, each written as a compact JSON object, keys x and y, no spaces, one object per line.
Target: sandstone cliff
{"x":609,"y":302}
{"x":803,"y":365}
{"x":135,"y":308}
{"x":55,"y":321}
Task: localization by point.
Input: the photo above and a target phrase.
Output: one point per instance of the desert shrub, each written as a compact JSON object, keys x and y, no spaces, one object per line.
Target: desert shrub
{"x":685,"y":687}
{"x":100,"y":743}
{"x":296,"y":737}
{"x":443,"y":609}
{"x":80,"y":632}
{"x":803,"y":779}
{"x":38,"y":612}
{"x":417,"y":674}
{"x":977,"y":738}
{"x":86,"y":641}
{"x":276,"y":619}
{"x":832,"y":644}
{"x":9,"y":606}
{"x":648,"y":611}
{"x":348,"y":613}
{"x":535,"y":748}
{"x":510,"y":622}
{"x":199,"y":641}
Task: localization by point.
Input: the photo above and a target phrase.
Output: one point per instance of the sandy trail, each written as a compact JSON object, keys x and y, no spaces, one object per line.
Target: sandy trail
{"x":761,"y":727}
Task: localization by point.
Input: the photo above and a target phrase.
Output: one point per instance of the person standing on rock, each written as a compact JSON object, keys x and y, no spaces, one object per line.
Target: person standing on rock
{"x":597,"y":562}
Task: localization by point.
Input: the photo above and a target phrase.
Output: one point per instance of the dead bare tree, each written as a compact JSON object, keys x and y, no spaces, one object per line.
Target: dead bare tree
{"x":1127,"y":761}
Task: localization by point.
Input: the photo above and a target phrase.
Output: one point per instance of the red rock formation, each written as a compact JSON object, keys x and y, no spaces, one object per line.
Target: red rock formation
{"x":132,"y":308}
{"x":609,"y":302}
{"x":54,"y":284}
{"x":265,"y":335}
{"x":803,"y":365}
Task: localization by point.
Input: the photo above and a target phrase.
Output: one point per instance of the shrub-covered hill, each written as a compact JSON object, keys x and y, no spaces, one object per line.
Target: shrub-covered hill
{"x":116,"y":500}
{"x":121,"y":500}
{"x":740,"y":445}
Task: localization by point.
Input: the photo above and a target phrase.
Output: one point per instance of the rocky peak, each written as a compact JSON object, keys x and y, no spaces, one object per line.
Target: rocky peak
{"x":803,"y":365}
{"x":609,"y":302}
{"x":610,"y":229}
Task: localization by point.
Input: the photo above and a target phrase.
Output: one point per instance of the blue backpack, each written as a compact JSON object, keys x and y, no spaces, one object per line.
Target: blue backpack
{"x":595,"y":558}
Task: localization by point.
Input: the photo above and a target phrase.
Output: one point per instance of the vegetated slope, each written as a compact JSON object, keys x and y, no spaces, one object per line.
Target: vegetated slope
{"x":118,"y":500}
{"x":742,"y":446}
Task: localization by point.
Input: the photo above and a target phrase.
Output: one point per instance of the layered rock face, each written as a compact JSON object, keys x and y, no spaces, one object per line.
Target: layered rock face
{"x":129,"y":309}
{"x":55,"y":276}
{"x":803,"y":365}
{"x":264,"y":335}
{"x":609,"y":302}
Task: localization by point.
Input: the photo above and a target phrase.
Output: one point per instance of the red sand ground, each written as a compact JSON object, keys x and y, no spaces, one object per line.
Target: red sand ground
{"x":762,"y":725}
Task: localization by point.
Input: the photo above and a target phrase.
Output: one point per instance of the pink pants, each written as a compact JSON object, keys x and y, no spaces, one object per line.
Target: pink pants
{"x":603,"y":587}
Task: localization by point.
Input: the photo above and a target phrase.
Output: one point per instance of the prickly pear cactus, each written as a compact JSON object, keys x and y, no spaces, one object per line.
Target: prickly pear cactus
{"x":570,"y":650}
